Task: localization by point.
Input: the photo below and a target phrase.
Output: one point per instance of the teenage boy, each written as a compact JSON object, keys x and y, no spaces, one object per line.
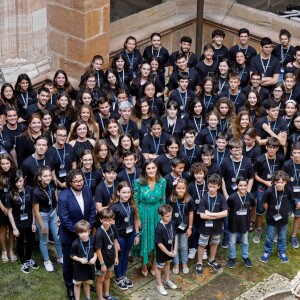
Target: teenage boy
{"x":221,"y":151}
{"x":292,"y":168}
{"x":105,"y":189}
{"x":276,"y":203}
{"x":178,"y":166}
{"x":295,"y":66}
{"x":255,"y":81}
{"x":244,"y":46}
{"x":190,"y":149}
{"x":182,"y":95}
{"x":207,"y":155}
{"x":185,"y":47}
{"x":239,"y":205}
{"x":107,"y":246}
{"x":292,"y":91}
{"x":122,"y":94}
{"x":267,"y":64}
{"x":237,"y":97}
{"x":220,"y":51}
{"x":43,"y":97}
{"x":127,"y":125}
{"x":212,"y":210}
{"x":182,"y":65}
{"x":264,"y":168}
{"x":271,"y":125}
{"x":166,"y":244}
{"x":48,"y":83}
{"x":104,"y":113}
{"x":130,"y":173}
{"x":197,"y":189}
{"x":62,"y":157}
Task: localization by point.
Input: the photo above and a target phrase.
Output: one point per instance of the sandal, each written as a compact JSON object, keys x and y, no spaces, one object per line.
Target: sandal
{"x":4,"y":257}
{"x":13,"y":256}
{"x":252,"y":226}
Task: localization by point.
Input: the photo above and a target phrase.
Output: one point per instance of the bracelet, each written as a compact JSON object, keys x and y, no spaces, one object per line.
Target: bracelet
{"x":102,"y":264}
{"x":138,"y":233}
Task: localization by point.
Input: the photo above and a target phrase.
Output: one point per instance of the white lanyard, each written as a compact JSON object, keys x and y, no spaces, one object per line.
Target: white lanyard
{"x":271,"y":170}
{"x":263,"y":65}
{"x":200,"y":125}
{"x":107,"y":234}
{"x":196,"y":186}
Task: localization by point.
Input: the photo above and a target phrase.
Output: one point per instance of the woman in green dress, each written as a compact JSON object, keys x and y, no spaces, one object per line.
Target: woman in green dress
{"x":149,"y":194}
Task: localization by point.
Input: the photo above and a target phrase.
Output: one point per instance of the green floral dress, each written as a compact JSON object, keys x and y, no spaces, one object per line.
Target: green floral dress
{"x":148,"y":202}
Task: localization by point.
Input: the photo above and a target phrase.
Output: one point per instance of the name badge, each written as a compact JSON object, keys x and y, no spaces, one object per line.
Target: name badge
{"x":242,"y":212}
{"x":62,"y":173}
{"x":209,"y":223}
{"x":23,"y":217}
{"x":234,"y":186}
{"x":296,"y":189}
{"x":281,"y":70}
{"x":277,"y":217}
{"x":198,"y":212}
{"x":129,"y":229}
{"x":182,"y":226}
{"x":52,"y":213}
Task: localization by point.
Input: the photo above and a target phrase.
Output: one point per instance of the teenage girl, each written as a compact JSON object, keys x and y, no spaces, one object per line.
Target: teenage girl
{"x":251,"y":148}
{"x":7,"y":97}
{"x":49,"y":125}
{"x":127,"y":222}
{"x":291,"y":107}
{"x":221,"y":78}
{"x":121,"y":65}
{"x":210,"y":98}
{"x":226,"y":110}
{"x":156,"y":103}
{"x":196,"y":115}
{"x":111,"y":85}
{"x":241,"y":68}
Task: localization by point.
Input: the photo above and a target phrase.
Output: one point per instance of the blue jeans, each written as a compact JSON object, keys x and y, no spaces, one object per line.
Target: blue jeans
{"x":125,"y":245}
{"x":244,"y":243}
{"x":49,"y":222}
{"x":270,"y":233}
{"x":260,"y":210}
{"x":225,"y":228}
{"x":183,"y":246}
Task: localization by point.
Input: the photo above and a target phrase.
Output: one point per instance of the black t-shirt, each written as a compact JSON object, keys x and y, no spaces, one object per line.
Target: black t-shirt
{"x":197,"y":191}
{"x":263,"y":92}
{"x":46,"y":198}
{"x":293,"y":170}
{"x":207,"y":136}
{"x":170,"y":180}
{"x":249,"y":52}
{"x":285,"y":56}
{"x":237,"y":220}
{"x":13,"y":134}
{"x":134,"y":59}
{"x":144,"y":128}
{"x":165,"y":164}
{"x":183,"y":99}
{"x":192,"y":60}
{"x":213,"y":169}
{"x":164,"y":234}
{"x":205,"y":70}
{"x":212,"y":204}
{"x":92,"y":179}
{"x":220,"y":156}
{"x":198,"y":123}
{"x":129,"y":177}
{"x":193,"y":154}
{"x":237,"y":100}
{"x":124,"y":218}
{"x":21,"y":207}
{"x":125,"y":78}
{"x":24,"y":100}
{"x":131,"y":128}
{"x":232,"y":169}
{"x":209,"y":102}
{"x":194,"y":80}
{"x":5,"y":143}
{"x":83,"y":250}
{"x":253,"y":153}
{"x":154,"y":145}
{"x":24,"y":147}
{"x":282,"y":199}
{"x":157,"y":106}
{"x":176,"y":129}
{"x":104,"y":240}
{"x":104,"y":193}
{"x":221,"y":84}
{"x":220,"y":53}
{"x":162,"y":55}
{"x":244,"y":73}
{"x":267,"y":67}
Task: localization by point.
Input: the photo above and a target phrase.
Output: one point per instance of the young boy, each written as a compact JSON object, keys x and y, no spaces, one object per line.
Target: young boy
{"x":276,"y":203}
{"x":264,"y":168}
{"x":106,"y":187}
{"x":237,"y":97}
{"x":292,"y":90}
{"x":239,"y":206}
{"x":48,"y":83}
{"x":244,"y":46}
{"x":207,"y":155}
{"x":165,"y":245}
{"x":182,"y":95}
{"x":189,"y":147}
{"x":130,"y":173}
{"x":292,"y":168}
{"x":221,"y":151}
{"x":84,"y":256}
{"x":178,"y":166}
{"x":221,"y":51}
{"x":212,"y":209}
{"x":104,"y":113}
{"x":107,"y":247}
{"x":197,"y":189}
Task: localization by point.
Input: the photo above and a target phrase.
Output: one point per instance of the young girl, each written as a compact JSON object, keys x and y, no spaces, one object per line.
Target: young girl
{"x":251,"y":149}
{"x":208,"y":95}
{"x":25,"y":95}
{"x":240,"y":125}
{"x":96,"y":67}
{"x":221,"y":78}
{"x":157,"y":74}
{"x":120,"y":64}
{"x":22,"y":220}
{"x":101,"y":154}
{"x":49,"y":125}
{"x":196,"y":115}
{"x":279,"y":96}
{"x":7,"y":169}
{"x":156,"y":103}
{"x":111,"y":134}
{"x":111,"y":85}
{"x":241,"y":68}
{"x":44,"y":200}
{"x":127,"y":222}
{"x":291,"y":108}
{"x":183,"y":215}
{"x":226,"y":110}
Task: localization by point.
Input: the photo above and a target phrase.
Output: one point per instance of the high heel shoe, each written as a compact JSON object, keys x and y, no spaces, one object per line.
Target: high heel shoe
{"x":152,"y":272}
{"x":145,"y":273}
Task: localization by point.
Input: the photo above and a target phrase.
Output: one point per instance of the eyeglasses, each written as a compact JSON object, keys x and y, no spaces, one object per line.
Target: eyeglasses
{"x":77,"y":181}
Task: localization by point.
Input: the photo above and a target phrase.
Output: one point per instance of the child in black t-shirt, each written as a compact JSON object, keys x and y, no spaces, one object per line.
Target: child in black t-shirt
{"x":276,"y":203}
{"x":84,"y":256}
{"x":239,"y":206}
{"x":107,"y":247}
{"x":212,"y":210}
{"x":166,"y":244}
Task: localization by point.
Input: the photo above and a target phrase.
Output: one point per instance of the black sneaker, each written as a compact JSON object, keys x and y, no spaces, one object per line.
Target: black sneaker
{"x":121,"y":285}
{"x":225,"y":243}
{"x":247,"y":262}
{"x":231,"y":263}
{"x":32,"y":264}
{"x":25,"y":268}
{"x":128,"y":282}
{"x":199,"y":269}
{"x":215,"y":265}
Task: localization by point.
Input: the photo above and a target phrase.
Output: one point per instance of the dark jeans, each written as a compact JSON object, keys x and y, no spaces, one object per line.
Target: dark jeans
{"x":23,"y":252}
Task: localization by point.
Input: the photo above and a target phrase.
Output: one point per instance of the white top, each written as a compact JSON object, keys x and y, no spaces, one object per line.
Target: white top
{"x":80,"y":201}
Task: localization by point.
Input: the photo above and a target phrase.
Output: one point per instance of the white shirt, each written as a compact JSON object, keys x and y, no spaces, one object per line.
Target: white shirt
{"x":80,"y":201}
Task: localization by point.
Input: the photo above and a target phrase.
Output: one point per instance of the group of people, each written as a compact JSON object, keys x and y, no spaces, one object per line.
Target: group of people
{"x":124,"y":162}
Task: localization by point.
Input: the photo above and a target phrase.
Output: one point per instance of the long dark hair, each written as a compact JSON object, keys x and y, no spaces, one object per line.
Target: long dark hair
{"x":21,"y":77}
{"x":5,"y":176}
{"x":68,"y":112}
{"x":143,"y":177}
{"x":38,"y":173}
{"x":117,"y":57}
{"x":14,"y":178}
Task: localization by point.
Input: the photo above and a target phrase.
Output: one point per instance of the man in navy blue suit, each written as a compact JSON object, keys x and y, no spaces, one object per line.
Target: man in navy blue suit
{"x":74,"y":204}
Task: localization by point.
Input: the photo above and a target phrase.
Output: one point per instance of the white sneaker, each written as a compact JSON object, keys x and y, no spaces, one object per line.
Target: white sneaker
{"x":60,"y":260}
{"x":171,"y":285}
{"x":162,"y":290}
{"x":48,"y":266}
{"x":204,"y":255}
{"x":192,"y":253}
